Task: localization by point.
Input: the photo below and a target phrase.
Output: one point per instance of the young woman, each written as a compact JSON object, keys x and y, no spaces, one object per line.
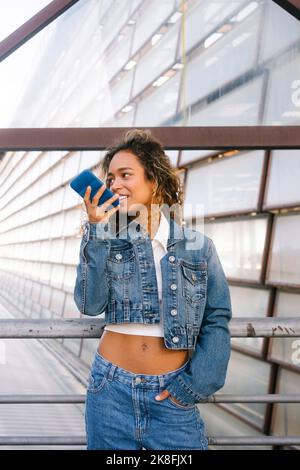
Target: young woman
{"x":166,"y":343}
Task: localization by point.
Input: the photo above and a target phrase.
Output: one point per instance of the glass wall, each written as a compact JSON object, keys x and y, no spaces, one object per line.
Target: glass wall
{"x":218,"y":62}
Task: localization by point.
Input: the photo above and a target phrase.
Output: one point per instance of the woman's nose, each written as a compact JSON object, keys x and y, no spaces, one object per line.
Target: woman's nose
{"x":115,"y":186}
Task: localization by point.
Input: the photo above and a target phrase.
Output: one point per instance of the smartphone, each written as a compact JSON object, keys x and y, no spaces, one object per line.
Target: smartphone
{"x":87,"y":178}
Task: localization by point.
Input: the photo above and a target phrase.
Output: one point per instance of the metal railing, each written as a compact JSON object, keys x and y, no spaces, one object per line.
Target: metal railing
{"x":92,"y":328}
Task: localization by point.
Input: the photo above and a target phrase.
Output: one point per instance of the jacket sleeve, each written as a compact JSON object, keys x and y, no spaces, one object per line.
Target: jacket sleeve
{"x":91,"y":288}
{"x":207,"y":367}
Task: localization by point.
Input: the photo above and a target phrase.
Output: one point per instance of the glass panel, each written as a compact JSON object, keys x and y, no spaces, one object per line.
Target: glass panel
{"x":204,"y":17}
{"x":71,"y":198}
{"x":57,"y":302}
{"x":249,"y":302}
{"x":70,"y":63}
{"x":16,"y":12}
{"x":36,"y":291}
{"x":121,"y":92}
{"x":72,"y":222}
{"x":118,"y":56}
{"x":57,"y":250}
{"x":247,"y":376}
{"x":239,"y":107}
{"x":283,"y":179}
{"x":70,"y":309}
{"x":45,"y":272}
{"x":147,"y":22}
{"x":275,"y":19}
{"x":221,"y":423}
{"x":227,"y":185}
{"x":218,"y":64}
{"x":285,"y":255}
{"x":70,"y":278}
{"x":57,"y":275}
{"x":71,"y":166}
{"x":287,"y":416}
{"x":188,"y":156}
{"x":45,"y":296}
{"x":89,"y":348}
{"x":160,"y":105}
{"x":240,"y":246}
{"x":89,"y":159}
{"x":173,"y":155}
{"x":71,"y":251}
{"x":286,"y":349}
{"x":158,"y":59}
{"x":283,"y":108}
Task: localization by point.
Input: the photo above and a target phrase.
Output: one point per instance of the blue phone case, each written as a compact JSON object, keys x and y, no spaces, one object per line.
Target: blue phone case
{"x":87,"y":178}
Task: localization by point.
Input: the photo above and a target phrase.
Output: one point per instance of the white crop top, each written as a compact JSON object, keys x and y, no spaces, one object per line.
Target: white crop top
{"x":159,"y":246}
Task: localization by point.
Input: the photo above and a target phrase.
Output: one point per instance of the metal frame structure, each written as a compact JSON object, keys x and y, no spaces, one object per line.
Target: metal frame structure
{"x":92,"y":328}
{"x":172,"y":138}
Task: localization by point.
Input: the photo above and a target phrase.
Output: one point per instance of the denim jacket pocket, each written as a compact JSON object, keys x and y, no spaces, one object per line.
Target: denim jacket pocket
{"x":121,"y":263}
{"x":194,"y":281}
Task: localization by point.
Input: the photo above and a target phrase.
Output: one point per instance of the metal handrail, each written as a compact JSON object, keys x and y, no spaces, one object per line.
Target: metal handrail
{"x":218,"y":398}
{"x":215,"y":440}
{"x":92,"y":327}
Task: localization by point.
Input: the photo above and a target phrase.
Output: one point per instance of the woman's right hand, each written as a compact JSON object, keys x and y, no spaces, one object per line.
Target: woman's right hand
{"x":97,"y":214}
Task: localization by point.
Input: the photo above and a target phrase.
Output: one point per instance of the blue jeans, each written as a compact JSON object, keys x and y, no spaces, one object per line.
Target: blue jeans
{"x":121,"y":412}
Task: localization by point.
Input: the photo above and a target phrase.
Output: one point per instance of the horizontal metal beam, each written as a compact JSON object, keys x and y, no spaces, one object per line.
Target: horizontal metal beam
{"x":31,"y":27}
{"x":254,"y":440}
{"x":92,"y":328}
{"x":81,"y":440}
{"x":291,"y":6}
{"x":189,"y":138}
{"x":218,"y":398}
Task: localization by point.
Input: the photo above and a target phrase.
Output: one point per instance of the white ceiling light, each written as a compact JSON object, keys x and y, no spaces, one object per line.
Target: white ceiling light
{"x":160,"y":81}
{"x":130,"y":65}
{"x":175,"y":17}
{"x":127,"y":108}
{"x":177,"y":66}
{"x":155,"y":38}
{"x":212,"y":39}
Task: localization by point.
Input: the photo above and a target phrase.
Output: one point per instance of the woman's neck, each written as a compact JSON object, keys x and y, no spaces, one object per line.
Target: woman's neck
{"x":150,"y":221}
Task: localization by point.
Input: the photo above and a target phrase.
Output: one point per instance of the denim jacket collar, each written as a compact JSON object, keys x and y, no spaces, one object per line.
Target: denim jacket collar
{"x":134,"y":232}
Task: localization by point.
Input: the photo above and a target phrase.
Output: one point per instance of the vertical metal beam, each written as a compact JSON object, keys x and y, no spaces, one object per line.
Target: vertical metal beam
{"x":33,"y":26}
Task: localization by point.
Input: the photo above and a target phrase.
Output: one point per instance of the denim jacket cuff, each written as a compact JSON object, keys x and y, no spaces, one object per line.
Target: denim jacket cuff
{"x":184,"y":394}
{"x":97,"y":231}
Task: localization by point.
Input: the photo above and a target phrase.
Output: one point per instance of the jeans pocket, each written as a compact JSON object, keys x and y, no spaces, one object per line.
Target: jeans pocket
{"x":97,"y":381}
{"x":178,"y":405}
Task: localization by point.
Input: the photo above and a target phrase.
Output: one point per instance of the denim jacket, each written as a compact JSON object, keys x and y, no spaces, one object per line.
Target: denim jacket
{"x":117,"y":275}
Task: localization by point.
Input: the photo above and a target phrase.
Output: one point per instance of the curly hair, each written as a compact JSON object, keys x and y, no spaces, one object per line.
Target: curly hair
{"x":157,"y":165}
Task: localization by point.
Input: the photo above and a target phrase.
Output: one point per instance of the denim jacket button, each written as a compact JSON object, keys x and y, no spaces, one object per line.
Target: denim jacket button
{"x":173,"y":312}
{"x":119,"y":256}
{"x":173,"y":286}
{"x":175,"y":339}
{"x":171,"y":259}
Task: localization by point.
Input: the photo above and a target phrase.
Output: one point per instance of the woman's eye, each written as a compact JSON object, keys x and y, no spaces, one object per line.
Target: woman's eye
{"x":108,"y":182}
{"x":126,"y":174}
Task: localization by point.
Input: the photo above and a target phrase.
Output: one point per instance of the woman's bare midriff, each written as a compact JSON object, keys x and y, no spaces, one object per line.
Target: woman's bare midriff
{"x":140,"y":354}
